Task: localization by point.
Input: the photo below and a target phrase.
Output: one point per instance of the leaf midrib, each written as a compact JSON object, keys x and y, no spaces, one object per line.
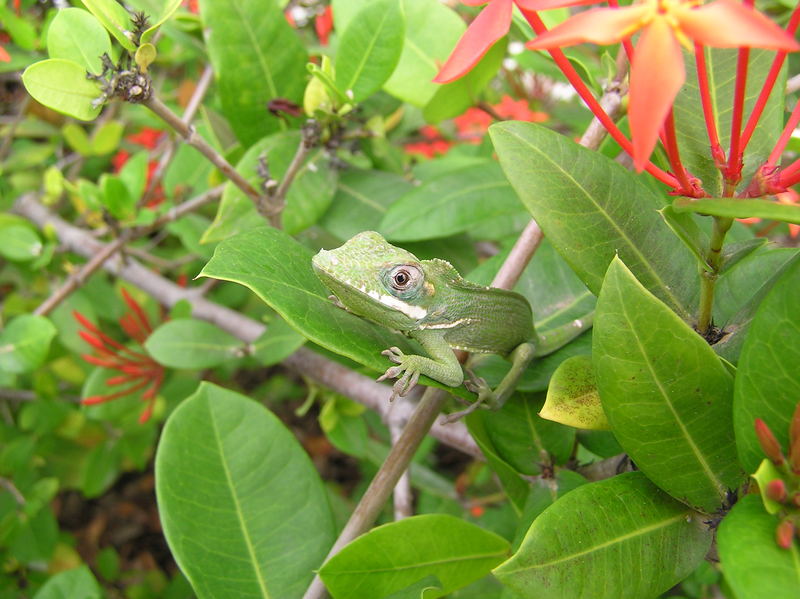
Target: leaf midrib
{"x":621,"y":232}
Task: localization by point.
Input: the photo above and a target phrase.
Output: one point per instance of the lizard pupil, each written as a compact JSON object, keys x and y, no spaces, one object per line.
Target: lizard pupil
{"x":402,"y":278}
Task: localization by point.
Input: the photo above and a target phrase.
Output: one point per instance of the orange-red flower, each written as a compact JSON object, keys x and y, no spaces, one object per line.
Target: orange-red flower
{"x":138,"y":370}
{"x":323,"y":25}
{"x":657,"y":71}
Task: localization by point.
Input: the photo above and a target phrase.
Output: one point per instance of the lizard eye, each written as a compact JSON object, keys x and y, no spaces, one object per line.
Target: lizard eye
{"x":404,"y":277}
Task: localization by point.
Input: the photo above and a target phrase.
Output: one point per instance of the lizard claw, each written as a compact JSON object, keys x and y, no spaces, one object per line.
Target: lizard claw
{"x":395,"y":354}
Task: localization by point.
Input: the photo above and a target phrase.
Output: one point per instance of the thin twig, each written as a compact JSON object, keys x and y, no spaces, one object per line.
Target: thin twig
{"x":191,"y":137}
{"x":403,"y":498}
{"x":188,"y":116}
{"x":9,"y":486}
{"x":310,"y":364}
{"x":12,"y":127}
{"x":99,"y":258}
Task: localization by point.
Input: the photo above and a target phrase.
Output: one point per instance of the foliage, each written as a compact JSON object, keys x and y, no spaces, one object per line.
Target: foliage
{"x":169,"y":170}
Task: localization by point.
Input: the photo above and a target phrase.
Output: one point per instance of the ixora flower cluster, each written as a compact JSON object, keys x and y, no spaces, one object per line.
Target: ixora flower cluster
{"x":779,"y":479}
{"x":657,"y":73}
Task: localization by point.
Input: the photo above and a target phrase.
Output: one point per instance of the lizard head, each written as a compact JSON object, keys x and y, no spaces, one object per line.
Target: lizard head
{"x":376,"y":280}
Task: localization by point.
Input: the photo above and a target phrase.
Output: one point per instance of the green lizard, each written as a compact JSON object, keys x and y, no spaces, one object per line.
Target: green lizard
{"x":428,"y":300}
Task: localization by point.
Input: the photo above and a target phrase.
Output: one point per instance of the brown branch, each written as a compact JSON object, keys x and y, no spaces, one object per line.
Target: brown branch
{"x":191,"y":137}
{"x":98,"y":259}
{"x":306,"y":362}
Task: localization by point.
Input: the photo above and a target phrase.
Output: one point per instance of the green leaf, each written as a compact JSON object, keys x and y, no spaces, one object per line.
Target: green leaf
{"x":115,"y":19}
{"x":107,"y":137}
{"x":621,"y":537}
{"x":451,"y":99}
{"x":115,"y":197}
{"x":394,"y":556}
{"x":78,"y":582}
{"x":189,"y":343}
{"x":523,"y":439}
{"x":739,"y":208}
{"x":692,"y":132}
{"x":169,"y":7}
{"x":755,"y":567}
{"x":75,"y":135}
{"x":592,"y":209}
{"x":257,"y":57}
{"x":20,"y":243}
{"x":666,"y":393}
{"x":572,"y":396}
{"x":361,"y":200}
{"x":432,"y":31}
{"x":279,"y":341}
{"x":516,"y":489}
{"x":25,"y":342}
{"x":76,"y":35}
{"x":768,"y":379}
{"x":278,"y":269}
{"x":370,"y":48}
{"x":451,"y":204}
{"x":243,"y":509}
{"x":62,"y":85}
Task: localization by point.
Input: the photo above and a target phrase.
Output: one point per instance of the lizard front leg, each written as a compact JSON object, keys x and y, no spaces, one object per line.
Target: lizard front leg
{"x":442,"y":366}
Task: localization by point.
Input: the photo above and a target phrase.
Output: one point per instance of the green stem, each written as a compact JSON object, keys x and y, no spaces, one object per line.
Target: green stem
{"x":708,"y":276}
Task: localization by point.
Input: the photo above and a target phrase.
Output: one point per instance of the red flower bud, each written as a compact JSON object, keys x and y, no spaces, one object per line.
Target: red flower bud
{"x":784,"y":534}
{"x":769,"y":443}
{"x":794,"y":428}
{"x":776,"y":490}
{"x":796,"y":499}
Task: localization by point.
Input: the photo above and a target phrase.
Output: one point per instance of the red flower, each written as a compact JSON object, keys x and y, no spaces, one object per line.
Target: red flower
{"x":119,"y":160}
{"x":192,"y":6}
{"x":147,"y":137}
{"x":4,"y":55}
{"x":657,"y":71}
{"x":435,"y":146}
{"x":323,"y":25}
{"x":138,"y":370}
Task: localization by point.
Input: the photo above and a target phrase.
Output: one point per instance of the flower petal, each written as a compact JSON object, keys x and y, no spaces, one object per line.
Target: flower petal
{"x":728,"y":24}
{"x":657,"y":74}
{"x":548,"y":4}
{"x":599,"y":26}
{"x":483,"y":32}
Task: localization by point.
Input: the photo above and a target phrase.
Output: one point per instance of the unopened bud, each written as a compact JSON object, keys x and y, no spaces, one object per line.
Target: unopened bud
{"x":794,"y":428}
{"x":796,"y":499}
{"x":776,"y":490}
{"x":769,"y":443}
{"x":784,"y":534}
{"x":794,"y":457}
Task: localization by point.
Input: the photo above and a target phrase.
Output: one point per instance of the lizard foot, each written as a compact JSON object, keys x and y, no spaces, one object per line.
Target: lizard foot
{"x":410,"y":374}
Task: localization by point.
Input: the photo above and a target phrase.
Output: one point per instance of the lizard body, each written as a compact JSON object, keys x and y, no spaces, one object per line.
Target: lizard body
{"x":429,"y":301}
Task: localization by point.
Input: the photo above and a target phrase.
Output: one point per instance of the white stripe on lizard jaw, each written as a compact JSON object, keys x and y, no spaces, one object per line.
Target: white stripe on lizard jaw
{"x":415,"y":312}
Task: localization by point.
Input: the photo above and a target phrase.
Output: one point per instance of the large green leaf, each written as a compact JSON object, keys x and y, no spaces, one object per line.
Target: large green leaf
{"x":115,"y":19}
{"x":739,"y":208}
{"x":768,"y":379}
{"x":395,"y":556}
{"x":78,"y":582}
{"x":592,"y":209}
{"x":432,"y":30}
{"x":369,"y":48}
{"x":62,"y":85}
{"x":755,"y":567}
{"x":278,"y":270}
{"x":361,"y":199}
{"x":619,"y":538}
{"x":25,"y":342}
{"x":76,"y":35}
{"x":243,"y":509}
{"x":690,"y":120}
{"x":257,"y":57}
{"x":666,"y":393}
{"x":451,"y":204}
{"x":523,"y":439}
{"x":308,"y":198}
{"x":20,"y":243}
{"x":191,"y":343}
